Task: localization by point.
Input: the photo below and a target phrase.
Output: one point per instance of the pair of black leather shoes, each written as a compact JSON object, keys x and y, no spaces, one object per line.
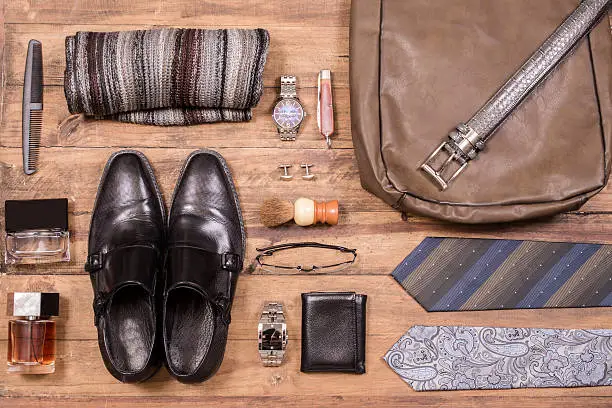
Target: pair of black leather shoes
{"x":163,"y":291}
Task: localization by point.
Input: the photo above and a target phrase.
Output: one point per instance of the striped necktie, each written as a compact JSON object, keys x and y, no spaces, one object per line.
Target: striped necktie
{"x":449,"y":274}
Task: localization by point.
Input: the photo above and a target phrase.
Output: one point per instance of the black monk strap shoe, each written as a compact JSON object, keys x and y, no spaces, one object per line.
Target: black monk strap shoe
{"x":204,"y":257}
{"x":126,"y":240}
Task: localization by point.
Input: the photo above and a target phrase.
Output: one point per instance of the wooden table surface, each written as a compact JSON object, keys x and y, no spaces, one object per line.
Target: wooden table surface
{"x":306,"y":36}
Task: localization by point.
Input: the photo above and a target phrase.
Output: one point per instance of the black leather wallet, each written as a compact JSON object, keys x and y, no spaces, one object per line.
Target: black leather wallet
{"x":333,"y":332}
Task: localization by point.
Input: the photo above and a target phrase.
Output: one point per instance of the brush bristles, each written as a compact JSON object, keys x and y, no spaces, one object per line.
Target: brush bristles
{"x":275,"y":212}
{"x":34,"y":139}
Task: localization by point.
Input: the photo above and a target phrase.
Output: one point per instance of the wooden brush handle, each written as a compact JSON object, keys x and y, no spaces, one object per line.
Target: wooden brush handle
{"x":326,"y":212}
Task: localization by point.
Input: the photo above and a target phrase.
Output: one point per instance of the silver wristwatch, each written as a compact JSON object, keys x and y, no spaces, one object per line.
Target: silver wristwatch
{"x":272,"y":335}
{"x":288,"y":113}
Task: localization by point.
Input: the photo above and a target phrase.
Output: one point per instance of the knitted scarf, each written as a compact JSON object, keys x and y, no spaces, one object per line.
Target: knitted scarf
{"x":166,"y":76}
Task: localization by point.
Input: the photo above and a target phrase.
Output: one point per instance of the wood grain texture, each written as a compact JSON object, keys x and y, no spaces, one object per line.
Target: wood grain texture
{"x":78,"y":349}
{"x":422,"y":400}
{"x":60,"y":129}
{"x":306,"y":36}
{"x":2,"y":75}
{"x":366,"y":223}
{"x":327,"y":47}
{"x":313,"y":13}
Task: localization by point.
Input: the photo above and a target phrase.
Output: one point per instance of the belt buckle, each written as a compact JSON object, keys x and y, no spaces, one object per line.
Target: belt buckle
{"x":438,"y":174}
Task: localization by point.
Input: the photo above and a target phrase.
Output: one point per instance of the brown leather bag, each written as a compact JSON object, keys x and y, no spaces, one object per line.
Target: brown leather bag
{"x":420,"y":67}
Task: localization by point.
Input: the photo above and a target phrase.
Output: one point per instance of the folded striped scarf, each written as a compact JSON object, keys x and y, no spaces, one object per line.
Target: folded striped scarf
{"x":166,"y":76}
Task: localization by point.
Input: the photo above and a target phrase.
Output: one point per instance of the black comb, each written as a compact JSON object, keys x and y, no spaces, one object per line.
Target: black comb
{"x":32,"y":106}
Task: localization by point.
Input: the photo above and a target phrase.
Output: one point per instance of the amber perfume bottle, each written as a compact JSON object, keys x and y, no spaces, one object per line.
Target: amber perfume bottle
{"x":36,"y":231}
{"x":31,"y":333}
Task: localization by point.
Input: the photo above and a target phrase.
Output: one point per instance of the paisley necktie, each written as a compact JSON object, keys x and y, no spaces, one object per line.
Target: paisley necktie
{"x":460,"y":358}
{"x":448,"y":274}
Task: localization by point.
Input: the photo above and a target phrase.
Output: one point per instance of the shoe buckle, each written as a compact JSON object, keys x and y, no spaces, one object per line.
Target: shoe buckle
{"x":94,"y":263}
{"x":230,"y":261}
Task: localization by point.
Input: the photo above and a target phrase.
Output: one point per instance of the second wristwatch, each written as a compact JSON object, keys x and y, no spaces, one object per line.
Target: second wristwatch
{"x":272,"y":335}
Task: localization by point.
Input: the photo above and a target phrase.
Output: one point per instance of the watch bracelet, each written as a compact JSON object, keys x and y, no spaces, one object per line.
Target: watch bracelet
{"x":271,"y":311}
{"x":288,"y":86}
{"x":287,"y":135}
{"x":271,"y":361}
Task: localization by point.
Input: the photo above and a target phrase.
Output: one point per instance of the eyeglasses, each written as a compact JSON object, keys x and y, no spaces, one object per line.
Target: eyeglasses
{"x":270,"y":251}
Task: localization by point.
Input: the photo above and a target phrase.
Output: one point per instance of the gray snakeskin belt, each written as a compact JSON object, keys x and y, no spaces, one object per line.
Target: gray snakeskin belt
{"x":453,"y":155}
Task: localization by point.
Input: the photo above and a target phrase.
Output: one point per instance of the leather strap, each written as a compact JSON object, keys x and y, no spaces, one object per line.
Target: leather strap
{"x":213,"y":276}
{"x":211,"y":273}
{"x":131,"y":264}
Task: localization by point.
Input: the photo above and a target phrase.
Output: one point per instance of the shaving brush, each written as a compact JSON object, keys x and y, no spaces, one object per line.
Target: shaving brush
{"x":304,"y":212}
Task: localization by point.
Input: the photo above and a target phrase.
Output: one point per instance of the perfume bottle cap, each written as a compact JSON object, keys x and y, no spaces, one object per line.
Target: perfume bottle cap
{"x":24,"y":215}
{"x":34,"y":304}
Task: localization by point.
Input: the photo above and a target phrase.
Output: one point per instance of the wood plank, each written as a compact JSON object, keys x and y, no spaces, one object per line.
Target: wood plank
{"x":255,"y":173}
{"x":423,"y":400}
{"x":317,"y":13}
{"x":290,"y":52}
{"x":60,"y":129}
{"x":382,"y":238}
{"x":2,"y":74}
{"x":390,"y":313}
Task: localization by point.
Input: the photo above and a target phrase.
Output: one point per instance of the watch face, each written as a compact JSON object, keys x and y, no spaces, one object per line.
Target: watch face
{"x":288,"y":113}
{"x":271,"y":339}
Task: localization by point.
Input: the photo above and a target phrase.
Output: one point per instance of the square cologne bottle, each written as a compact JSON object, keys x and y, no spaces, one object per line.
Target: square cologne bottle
{"x":36,"y":231}
{"x":31,"y":332}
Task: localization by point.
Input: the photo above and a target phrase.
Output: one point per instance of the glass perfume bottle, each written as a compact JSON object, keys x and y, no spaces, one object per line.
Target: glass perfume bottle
{"x":31,"y":334}
{"x":37,"y":231}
